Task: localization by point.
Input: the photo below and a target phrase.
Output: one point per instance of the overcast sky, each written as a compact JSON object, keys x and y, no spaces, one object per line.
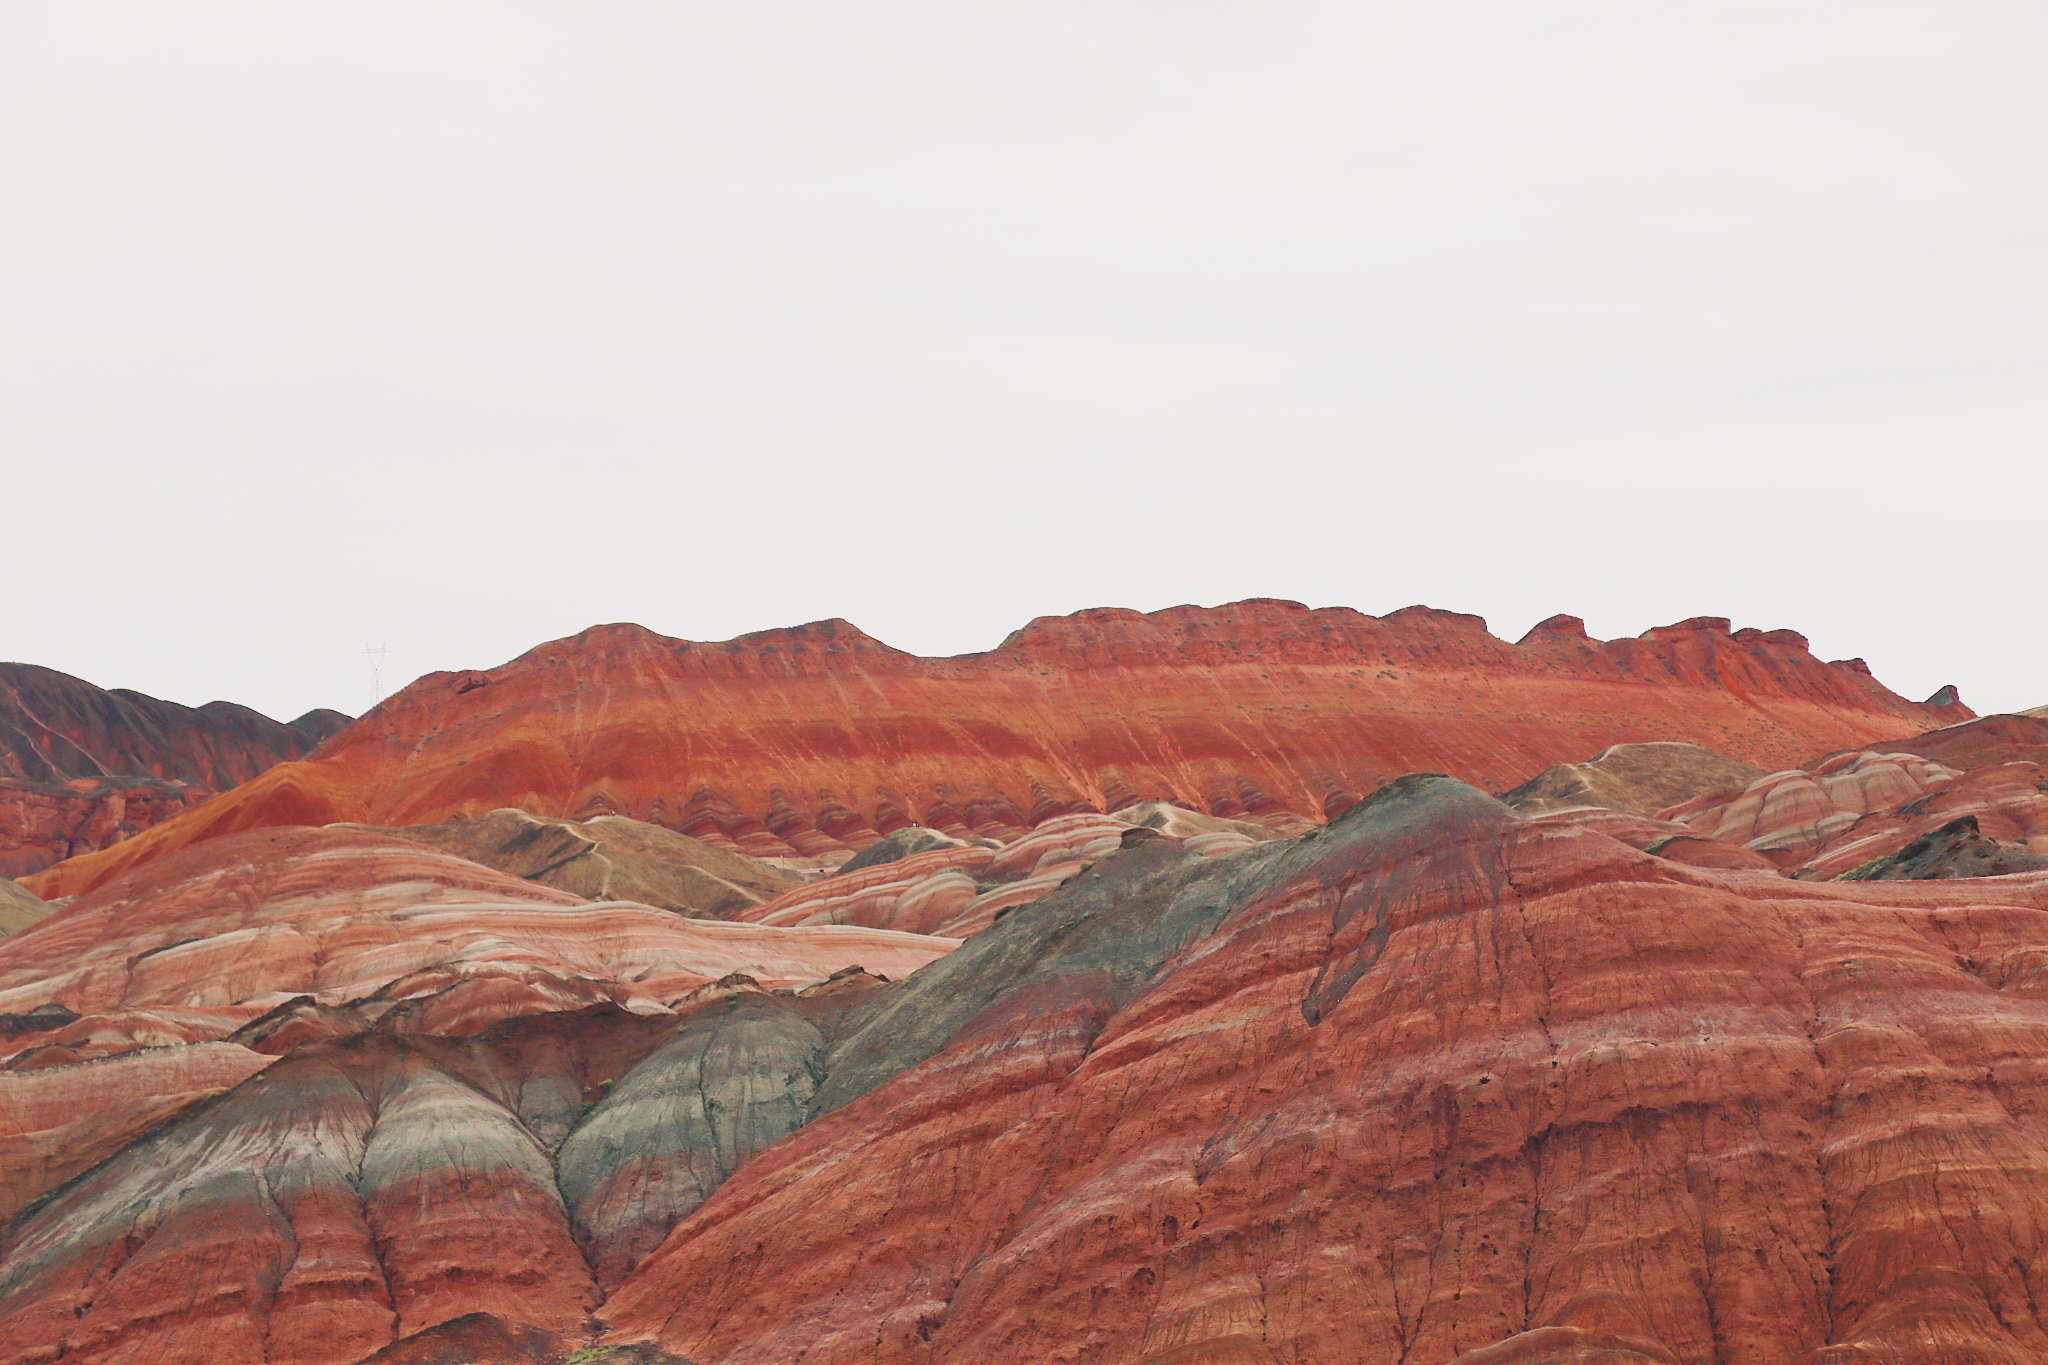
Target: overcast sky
{"x":455,"y":328}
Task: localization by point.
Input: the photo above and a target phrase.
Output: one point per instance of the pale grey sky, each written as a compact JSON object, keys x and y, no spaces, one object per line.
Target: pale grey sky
{"x":458,"y":327}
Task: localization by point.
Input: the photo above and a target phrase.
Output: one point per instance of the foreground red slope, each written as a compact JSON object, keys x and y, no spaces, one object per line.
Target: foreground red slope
{"x":1449,"y":1086}
{"x":1436,"y":1083}
{"x":815,"y":740}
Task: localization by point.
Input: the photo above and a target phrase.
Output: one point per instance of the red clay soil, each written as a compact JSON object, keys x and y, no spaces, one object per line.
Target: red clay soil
{"x":816,"y":740}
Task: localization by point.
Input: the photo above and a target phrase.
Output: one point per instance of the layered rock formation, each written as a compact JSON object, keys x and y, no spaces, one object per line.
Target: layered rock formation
{"x":814,"y":742}
{"x":1643,"y":778}
{"x":82,"y":768}
{"x":19,"y":908}
{"x":612,"y":858}
{"x":505,"y":1072}
{"x":1435,"y":1084}
{"x":45,"y":823}
{"x":1853,"y":811}
{"x":1959,"y":848}
{"x":238,"y":927}
{"x":166,"y":987}
{"x":1438,"y":1082}
{"x":955,"y":890}
{"x":1973,"y":744}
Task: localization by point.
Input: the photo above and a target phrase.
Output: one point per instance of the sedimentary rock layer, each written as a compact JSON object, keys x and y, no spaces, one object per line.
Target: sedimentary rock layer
{"x":815,"y":741}
{"x":235,"y":928}
{"x":1853,"y":810}
{"x":1437,"y":1084}
{"x":82,"y":768}
{"x":54,"y":727}
{"x":1644,"y":778}
{"x":612,"y":858}
{"x":19,"y":908}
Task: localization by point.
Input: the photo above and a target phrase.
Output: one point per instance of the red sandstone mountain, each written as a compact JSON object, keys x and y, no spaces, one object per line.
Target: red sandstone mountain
{"x":82,"y":768}
{"x":1437,"y":1083}
{"x":815,"y":741}
{"x":1441,"y":1082}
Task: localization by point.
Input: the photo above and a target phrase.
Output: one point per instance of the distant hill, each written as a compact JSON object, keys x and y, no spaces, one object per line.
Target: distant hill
{"x":84,"y":767}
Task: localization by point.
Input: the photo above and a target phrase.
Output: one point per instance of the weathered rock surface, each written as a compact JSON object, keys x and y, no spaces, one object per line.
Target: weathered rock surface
{"x":1859,"y":809}
{"x":736,"y":1076}
{"x":1434,"y":1085}
{"x":1209,"y":835}
{"x":1643,"y":778}
{"x":44,"y":823}
{"x":813,"y":742}
{"x":1794,"y":813}
{"x":904,"y":843}
{"x":82,"y":768}
{"x":357,"y":1191}
{"x":612,"y":858}
{"x":20,"y":907}
{"x":1957,"y":849}
{"x":956,"y":890}
{"x":1976,"y":743}
{"x":1438,"y":1082}
{"x":54,"y":727}
{"x":376,"y":1187}
{"x":2008,"y":803}
{"x":58,"y":1121}
{"x":377,"y":1142}
{"x":344,"y":916}
{"x":922,"y":893}
{"x":1664,"y":838}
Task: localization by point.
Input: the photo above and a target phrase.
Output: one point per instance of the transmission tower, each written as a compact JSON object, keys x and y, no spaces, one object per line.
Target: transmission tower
{"x":375,"y":654}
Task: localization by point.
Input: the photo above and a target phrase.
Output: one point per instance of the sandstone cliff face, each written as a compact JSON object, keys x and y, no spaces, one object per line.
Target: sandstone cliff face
{"x":82,"y":768}
{"x":42,"y":824}
{"x":814,"y":742}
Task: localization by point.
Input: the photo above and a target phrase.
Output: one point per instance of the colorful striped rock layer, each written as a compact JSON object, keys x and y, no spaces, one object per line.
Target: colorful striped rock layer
{"x":1438,"y":1083}
{"x":813,"y":742}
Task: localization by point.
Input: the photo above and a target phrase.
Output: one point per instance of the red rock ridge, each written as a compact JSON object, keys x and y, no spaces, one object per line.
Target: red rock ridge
{"x":811,"y":741}
{"x":82,"y":767}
